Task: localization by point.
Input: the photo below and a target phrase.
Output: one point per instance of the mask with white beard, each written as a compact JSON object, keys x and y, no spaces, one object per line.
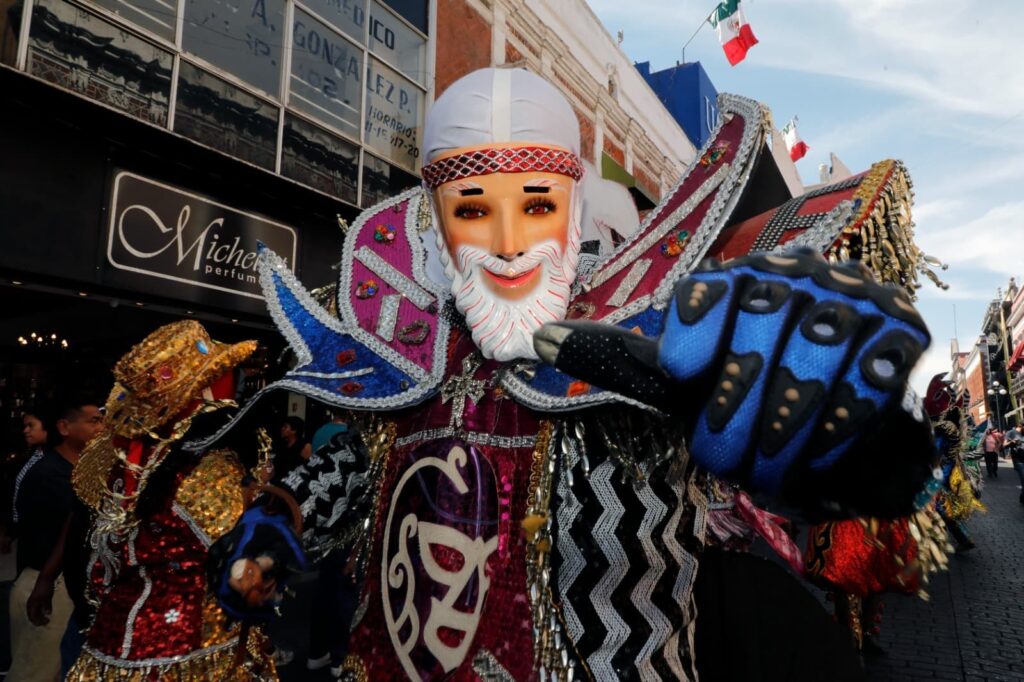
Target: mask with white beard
{"x":501,"y":328}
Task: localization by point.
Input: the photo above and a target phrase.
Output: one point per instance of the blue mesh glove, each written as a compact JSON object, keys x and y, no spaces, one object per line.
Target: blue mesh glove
{"x":790,"y":374}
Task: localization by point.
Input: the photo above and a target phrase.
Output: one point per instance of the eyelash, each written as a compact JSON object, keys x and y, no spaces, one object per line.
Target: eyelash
{"x":462,"y":210}
{"x":538,"y":203}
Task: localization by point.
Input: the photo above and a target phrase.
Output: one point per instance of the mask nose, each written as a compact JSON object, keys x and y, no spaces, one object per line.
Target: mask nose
{"x":506,"y":244}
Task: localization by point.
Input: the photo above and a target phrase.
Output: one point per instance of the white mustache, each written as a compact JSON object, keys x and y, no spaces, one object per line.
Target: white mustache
{"x":470,"y":257}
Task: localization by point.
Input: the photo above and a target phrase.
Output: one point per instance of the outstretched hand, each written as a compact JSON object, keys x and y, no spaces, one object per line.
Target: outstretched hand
{"x":790,"y":374}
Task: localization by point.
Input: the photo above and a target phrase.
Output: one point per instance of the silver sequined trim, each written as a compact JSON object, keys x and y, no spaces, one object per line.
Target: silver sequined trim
{"x":630,"y":282}
{"x":182,"y":514}
{"x":158,"y":662}
{"x":129,"y":630}
{"x":334,"y":375}
{"x":471,"y":437}
{"x":489,"y":669}
{"x":399,"y":282}
{"x":388,"y":318}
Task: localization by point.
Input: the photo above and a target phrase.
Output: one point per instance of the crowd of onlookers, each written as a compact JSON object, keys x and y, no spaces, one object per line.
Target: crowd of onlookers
{"x":46,"y":529}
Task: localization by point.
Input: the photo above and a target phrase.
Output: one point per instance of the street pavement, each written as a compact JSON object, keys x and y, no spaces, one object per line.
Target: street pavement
{"x":972,"y":628}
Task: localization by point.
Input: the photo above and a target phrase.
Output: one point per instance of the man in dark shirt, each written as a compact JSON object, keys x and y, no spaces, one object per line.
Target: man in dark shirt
{"x":43,"y":504}
{"x":291,"y":452}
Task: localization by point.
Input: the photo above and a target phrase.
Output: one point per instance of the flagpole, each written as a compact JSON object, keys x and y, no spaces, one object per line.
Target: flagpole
{"x":706,"y":19}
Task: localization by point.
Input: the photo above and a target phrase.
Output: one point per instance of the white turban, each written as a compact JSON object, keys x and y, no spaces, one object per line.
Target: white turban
{"x":500,"y":105}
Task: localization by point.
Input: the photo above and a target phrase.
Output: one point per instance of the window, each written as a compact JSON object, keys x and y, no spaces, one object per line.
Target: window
{"x":347,"y":15}
{"x":316,"y":158}
{"x":413,"y":11}
{"x":354,"y":79}
{"x":222,"y":116}
{"x":394,"y":116}
{"x":243,"y":37}
{"x":157,"y":16}
{"x":382,"y":181}
{"x":326,"y":75}
{"x":79,"y":51}
{"x":392,"y":40}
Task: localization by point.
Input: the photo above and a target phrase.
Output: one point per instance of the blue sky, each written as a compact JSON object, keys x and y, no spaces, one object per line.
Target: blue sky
{"x":936,"y":83}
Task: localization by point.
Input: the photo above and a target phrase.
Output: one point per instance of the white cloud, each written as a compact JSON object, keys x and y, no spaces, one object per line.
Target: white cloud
{"x":992,"y":241}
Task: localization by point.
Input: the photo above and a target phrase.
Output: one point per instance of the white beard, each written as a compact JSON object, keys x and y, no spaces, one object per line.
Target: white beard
{"x":503,"y":329}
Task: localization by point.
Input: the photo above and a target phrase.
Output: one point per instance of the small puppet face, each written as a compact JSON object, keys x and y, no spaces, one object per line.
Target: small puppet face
{"x":249,"y":579}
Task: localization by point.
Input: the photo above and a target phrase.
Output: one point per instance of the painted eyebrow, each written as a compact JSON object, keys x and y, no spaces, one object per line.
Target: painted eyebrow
{"x":465,"y":188}
{"x":541,"y":186}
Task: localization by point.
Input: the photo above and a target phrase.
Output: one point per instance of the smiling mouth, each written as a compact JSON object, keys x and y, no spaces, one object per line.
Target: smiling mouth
{"x":512,"y":279}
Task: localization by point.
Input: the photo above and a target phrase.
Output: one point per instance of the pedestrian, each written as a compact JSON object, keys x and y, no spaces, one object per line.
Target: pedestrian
{"x":291,"y":452}
{"x":991,"y":445}
{"x":40,"y":607}
{"x":34,"y":432}
{"x":1015,"y":449}
{"x":335,"y":593}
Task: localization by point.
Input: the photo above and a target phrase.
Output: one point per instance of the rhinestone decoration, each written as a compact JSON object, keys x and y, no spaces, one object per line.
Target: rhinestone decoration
{"x":351,"y":387}
{"x":414,"y":333}
{"x":714,"y":155}
{"x":674,"y":245}
{"x":577,"y":388}
{"x":346,"y":357}
{"x":507,"y":160}
{"x":367,"y":289}
{"x":384,"y":234}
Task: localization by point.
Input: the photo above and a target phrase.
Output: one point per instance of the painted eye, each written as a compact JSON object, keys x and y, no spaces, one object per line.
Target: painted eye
{"x":540,"y":207}
{"x":470,"y":212}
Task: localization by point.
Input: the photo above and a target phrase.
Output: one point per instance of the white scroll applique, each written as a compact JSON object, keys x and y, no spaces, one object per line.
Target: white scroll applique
{"x":397,"y":573}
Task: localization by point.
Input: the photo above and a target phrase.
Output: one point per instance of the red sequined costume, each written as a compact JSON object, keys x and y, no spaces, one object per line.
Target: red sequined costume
{"x":158,"y":511}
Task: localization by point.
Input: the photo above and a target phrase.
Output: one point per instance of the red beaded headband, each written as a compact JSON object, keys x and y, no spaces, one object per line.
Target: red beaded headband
{"x":502,"y":160}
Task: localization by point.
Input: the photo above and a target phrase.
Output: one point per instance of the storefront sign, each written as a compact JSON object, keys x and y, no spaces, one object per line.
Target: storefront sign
{"x":189,"y":242}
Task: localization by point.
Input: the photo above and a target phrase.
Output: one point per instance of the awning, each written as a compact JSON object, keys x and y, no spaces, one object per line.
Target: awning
{"x":1017,"y":359}
{"x":611,"y":170}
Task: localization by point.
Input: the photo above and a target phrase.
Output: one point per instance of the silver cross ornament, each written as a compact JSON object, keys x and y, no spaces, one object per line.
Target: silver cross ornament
{"x":460,"y":388}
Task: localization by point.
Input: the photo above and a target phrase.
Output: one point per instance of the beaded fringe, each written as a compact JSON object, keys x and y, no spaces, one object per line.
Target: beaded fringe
{"x":216,"y":664}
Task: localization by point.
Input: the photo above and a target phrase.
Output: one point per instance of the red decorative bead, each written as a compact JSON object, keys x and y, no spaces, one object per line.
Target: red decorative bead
{"x":351,"y":387}
{"x":166,"y":373}
{"x":346,"y":357}
{"x":577,"y":388}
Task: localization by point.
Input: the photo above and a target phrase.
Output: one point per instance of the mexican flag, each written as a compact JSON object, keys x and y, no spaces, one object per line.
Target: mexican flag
{"x":797,"y":147}
{"x":733,"y":30}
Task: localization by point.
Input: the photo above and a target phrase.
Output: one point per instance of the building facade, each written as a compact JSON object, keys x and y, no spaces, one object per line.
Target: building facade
{"x":149,"y":146}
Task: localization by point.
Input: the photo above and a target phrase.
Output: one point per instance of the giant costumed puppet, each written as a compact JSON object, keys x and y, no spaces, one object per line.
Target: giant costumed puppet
{"x":158,"y":509}
{"x":528,"y":505}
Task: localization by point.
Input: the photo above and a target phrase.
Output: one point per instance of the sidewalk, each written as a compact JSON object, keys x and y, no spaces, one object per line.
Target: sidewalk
{"x":972,"y":629}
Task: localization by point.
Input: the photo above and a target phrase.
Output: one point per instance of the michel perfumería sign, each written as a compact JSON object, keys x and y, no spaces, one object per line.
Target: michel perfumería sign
{"x":188,"y":244}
